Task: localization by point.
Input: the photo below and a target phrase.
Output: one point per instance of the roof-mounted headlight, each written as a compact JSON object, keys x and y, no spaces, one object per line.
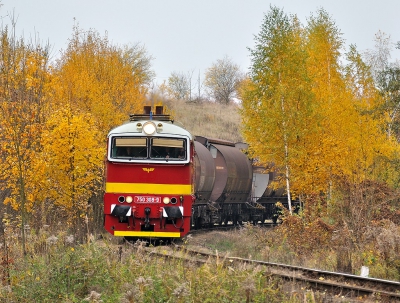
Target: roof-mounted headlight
{"x":149,"y":128}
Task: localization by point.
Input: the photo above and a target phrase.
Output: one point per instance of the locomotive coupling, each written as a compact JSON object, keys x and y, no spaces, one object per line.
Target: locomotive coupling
{"x":147,"y":211}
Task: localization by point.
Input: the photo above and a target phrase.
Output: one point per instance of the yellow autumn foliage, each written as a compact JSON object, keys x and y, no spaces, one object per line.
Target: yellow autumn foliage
{"x":107,"y":81}
{"x":302,"y":113}
{"x":23,"y":83}
{"x":72,"y":157}
{"x":54,"y":120}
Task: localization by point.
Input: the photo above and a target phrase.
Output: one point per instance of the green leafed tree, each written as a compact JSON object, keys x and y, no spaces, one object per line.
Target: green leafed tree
{"x":389,"y":86}
{"x":387,"y":78}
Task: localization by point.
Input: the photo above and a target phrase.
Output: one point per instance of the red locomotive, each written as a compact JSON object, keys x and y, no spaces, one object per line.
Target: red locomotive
{"x":149,"y":178}
{"x":160,"y":180}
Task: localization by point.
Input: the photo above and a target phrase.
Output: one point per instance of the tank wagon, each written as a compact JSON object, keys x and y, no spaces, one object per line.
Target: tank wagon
{"x":160,"y":181}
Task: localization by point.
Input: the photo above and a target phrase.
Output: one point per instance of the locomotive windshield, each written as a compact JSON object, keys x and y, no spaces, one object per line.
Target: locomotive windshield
{"x":142,"y":148}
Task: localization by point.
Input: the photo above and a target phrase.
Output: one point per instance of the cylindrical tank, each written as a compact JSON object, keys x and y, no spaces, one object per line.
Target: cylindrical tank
{"x":233,"y":174}
{"x":223,"y":173}
{"x":204,"y":173}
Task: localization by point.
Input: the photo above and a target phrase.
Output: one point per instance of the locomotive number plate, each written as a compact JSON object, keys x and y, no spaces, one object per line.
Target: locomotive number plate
{"x":147,"y":199}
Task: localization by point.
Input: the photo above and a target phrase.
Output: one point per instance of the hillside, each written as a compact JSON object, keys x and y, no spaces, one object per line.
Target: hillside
{"x":208,"y":119}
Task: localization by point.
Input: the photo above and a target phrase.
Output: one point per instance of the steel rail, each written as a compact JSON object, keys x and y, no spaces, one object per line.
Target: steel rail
{"x":318,"y":279}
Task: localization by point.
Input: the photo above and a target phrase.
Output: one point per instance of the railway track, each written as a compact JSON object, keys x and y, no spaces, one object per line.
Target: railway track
{"x":331,"y":282}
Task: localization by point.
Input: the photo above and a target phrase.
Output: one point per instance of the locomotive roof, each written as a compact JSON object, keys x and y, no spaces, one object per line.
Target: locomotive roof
{"x":164,"y":127}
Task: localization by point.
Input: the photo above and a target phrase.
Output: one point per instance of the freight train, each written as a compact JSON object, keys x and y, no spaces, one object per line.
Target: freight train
{"x":161,"y":182}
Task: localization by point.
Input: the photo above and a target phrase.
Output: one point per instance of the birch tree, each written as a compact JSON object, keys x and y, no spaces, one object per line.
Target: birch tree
{"x":277,"y":103}
{"x":324,"y":45}
{"x":351,"y":133}
{"x":303,"y":113}
{"x":372,"y":106}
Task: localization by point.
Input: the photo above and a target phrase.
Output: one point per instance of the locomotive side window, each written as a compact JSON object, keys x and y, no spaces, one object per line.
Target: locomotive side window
{"x":129,"y":148}
{"x":167,"y":148}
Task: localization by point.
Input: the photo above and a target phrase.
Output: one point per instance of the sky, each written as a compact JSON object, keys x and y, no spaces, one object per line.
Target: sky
{"x":187,"y":36}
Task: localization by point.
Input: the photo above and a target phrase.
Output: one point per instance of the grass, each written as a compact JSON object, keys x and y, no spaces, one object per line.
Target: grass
{"x":271,"y":245}
{"x":57,"y":269}
{"x":105,"y":271}
{"x":208,"y":119}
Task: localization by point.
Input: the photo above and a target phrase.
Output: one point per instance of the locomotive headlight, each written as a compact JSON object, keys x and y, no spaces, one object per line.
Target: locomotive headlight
{"x":166,"y":200}
{"x":149,"y":128}
{"x":129,"y":199}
